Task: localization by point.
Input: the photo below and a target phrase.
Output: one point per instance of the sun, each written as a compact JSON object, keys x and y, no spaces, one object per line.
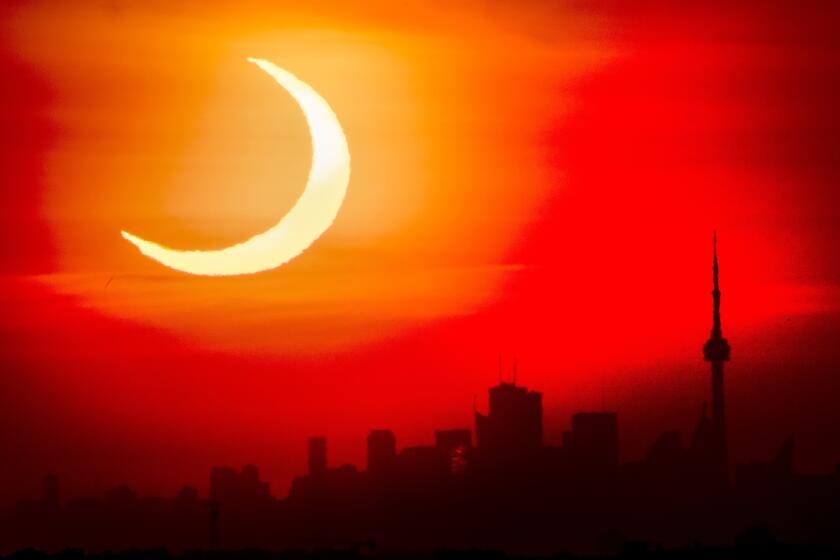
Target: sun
{"x":312,"y":214}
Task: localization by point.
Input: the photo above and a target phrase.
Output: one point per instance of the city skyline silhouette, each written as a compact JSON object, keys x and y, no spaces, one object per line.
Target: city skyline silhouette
{"x":420,"y":280}
{"x":496,"y":486}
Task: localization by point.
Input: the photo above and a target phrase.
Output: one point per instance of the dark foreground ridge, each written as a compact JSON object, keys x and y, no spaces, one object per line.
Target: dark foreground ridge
{"x":747,"y":549}
{"x":503,"y":490}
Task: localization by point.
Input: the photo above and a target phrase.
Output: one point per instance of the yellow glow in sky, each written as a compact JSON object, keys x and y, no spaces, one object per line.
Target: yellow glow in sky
{"x":311,"y":215}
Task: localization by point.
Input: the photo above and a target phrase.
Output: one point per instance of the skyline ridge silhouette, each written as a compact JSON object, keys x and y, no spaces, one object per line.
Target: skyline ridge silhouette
{"x":504,"y":489}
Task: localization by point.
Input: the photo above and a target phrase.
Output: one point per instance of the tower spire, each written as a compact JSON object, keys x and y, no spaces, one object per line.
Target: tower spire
{"x":717,"y":348}
{"x":716,"y":328}
{"x":716,"y":351}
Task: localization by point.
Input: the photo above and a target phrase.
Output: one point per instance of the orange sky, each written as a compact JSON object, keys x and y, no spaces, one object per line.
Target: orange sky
{"x":535,"y":179}
{"x":165,"y":131}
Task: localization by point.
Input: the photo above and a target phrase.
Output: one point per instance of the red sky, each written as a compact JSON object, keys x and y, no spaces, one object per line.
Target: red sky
{"x":540,"y":181}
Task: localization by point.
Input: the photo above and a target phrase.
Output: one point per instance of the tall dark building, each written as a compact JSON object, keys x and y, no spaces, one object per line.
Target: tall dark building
{"x":450,"y":440}
{"x":514,"y":422}
{"x":317,"y":455}
{"x":593,"y":441}
{"x":716,"y":351}
{"x":456,"y":445}
{"x":231,"y":488}
{"x":381,"y":451}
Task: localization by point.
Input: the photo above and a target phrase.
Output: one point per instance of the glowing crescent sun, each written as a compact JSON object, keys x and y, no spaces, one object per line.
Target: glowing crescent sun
{"x":312,"y":214}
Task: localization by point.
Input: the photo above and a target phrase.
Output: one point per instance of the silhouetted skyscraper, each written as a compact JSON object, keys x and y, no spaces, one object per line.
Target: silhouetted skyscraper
{"x":456,"y":444}
{"x":317,"y":456}
{"x":593,"y":442}
{"x":381,"y":451}
{"x":514,"y":422}
{"x":667,"y":450}
{"x":716,"y":351}
{"x":231,"y":488}
{"x":450,"y":440}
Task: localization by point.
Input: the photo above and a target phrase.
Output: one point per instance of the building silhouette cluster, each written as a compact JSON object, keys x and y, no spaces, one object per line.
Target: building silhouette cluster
{"x":504,"y":489}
